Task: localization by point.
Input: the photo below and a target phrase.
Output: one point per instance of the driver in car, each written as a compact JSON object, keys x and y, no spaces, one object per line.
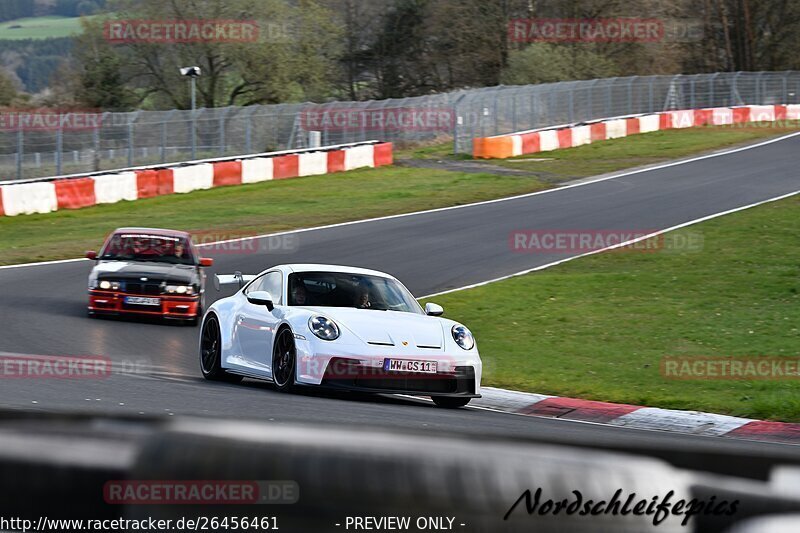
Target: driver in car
{"x":299,"y":295}
{"x":362,"y":298}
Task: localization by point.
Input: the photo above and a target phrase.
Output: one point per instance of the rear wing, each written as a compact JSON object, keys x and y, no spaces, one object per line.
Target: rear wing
{"x":237,"y":278}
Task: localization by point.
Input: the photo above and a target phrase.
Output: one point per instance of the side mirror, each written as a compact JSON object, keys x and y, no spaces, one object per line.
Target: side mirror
{"x":261,"y":298}
{"x":91,"y":255}
{"x":206,"y":262}
{"x":432,"y":309}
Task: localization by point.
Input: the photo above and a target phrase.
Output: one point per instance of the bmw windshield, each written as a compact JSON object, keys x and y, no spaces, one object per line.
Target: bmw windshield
{"x":145,"y":247}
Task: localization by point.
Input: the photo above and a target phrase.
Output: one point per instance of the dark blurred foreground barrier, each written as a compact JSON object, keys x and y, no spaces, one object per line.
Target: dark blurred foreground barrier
{"x":59,"y":468}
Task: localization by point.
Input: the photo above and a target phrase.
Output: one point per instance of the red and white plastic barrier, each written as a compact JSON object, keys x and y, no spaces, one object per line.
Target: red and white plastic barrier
{"x":530,"y":142}
{"x":53,"y":194}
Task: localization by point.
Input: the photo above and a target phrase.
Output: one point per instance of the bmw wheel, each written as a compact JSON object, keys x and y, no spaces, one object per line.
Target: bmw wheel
{"x":450,"y":402}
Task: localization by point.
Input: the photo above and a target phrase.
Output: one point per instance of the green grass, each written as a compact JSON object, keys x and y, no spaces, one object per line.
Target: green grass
{"x":254,"y":209}
{"x":40,"y":28}
{"x":643,"y":149}
{"x":306,"y":202}
{"x":598,"y":327}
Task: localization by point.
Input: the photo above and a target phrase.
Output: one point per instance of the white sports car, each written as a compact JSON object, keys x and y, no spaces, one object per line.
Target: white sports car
{"x":338,"y":327}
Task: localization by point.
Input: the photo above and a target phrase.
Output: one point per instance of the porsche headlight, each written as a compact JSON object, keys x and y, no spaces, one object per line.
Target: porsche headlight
{"x":324,"y":328}
{"x":179,"y":289}
{"x":463,"y":337}
{"x":109,"y":285}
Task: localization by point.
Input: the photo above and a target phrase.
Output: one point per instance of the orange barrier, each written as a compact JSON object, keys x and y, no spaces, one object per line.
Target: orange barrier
{"x":664,"y":121}
{"x":147,"y":183}
{"x":530,"y":143}
{"x":565,"y":138}
{"x":631,"y":126}
{"x":703,"y":117}
{"x":741,"y":114}
{"x":2,"y":211}
{"x":498,"y":147}
{"x":780,"y":112}
{"x":597,"y":131}
{"x":75,"y":193}
{"x":336,"y":161}
{"x":227,"y":173}
{"x":383,"y":154}
{"x":285,"y":166}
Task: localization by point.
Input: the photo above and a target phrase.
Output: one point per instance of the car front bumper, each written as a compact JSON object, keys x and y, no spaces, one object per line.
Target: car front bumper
{"x":112,"y":302}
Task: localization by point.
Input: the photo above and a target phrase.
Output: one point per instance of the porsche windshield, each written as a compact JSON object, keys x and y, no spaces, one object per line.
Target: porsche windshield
{"x":144,"y":247}
{"x":342,"y":289}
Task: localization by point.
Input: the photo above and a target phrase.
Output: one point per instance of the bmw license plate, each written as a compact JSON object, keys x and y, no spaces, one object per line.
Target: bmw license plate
{"x":138,"y":300}
{"x":409,"y":365}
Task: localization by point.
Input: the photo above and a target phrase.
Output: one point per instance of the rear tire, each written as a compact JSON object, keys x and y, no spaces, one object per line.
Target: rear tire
{"x":450,"y":402}
{"x":284,"y":361}
{"x":211,"y":352}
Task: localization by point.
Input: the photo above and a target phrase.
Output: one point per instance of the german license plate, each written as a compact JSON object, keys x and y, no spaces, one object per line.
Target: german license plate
{"x":138,"y":300}
{"x":409,"y":365}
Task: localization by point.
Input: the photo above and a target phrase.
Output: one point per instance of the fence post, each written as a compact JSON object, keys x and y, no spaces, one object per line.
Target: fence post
{"x":650,"y":94}
{"x":130,"y":141}
{"x":691,"y":93}
{"x":20,"y":151}
{"x":784,"y":85}
{"x":572,"y":103}
{"x":630,"y":94}
{"x":59,"y":144}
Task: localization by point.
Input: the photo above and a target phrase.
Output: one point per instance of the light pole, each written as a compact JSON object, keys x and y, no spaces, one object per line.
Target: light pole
{"x":193,"y":73}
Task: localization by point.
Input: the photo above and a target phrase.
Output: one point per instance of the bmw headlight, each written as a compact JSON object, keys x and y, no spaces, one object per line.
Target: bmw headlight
{"x":109,"y":285}
{"x":324,"y":328}
{"x":463,"y":337}
{"x":179,"y":289}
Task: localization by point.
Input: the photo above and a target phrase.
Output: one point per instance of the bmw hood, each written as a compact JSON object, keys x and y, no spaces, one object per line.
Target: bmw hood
{"x":134,"y":270}
{"x":388,"y":328}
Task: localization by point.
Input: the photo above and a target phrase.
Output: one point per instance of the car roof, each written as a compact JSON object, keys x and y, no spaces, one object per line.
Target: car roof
{"x":311,"y":267}
{"x":154,"y":231}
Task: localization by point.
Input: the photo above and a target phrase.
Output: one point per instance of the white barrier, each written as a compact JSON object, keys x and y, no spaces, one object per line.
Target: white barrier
{"x":649,"y":123}
{"x":29,"y":198}
{"x":762,"y":113}
{"x":616,"y":129}
{"x":112,"y":188}
{"x":722,"y":116}
{"x":516,"y":145}
{"x":193,"y":177}
{"x":256,"y":170}
{"x":358,"y":157}
{"x":581,"y":135}
{"x":548,"y":140}
{"x":793,"y":111}
{"x":312,"y":164}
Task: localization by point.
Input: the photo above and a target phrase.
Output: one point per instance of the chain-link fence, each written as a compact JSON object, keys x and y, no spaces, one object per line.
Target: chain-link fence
{"x":155,"y":137}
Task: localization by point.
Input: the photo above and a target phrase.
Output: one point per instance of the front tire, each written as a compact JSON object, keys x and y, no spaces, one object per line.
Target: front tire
{"x":211,"y":353}
{"x":284,"y":361}
{"x":450,"y":402}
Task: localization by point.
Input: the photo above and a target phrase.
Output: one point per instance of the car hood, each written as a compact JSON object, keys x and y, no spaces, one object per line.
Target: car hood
{"x":388,"y":327}
{"x":135,"y":270}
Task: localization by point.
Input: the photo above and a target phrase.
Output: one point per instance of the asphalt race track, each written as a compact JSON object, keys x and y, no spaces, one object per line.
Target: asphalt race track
{"x":42,"y":307}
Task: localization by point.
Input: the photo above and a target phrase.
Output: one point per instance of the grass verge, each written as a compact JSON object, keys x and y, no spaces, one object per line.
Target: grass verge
{"x":598,"y":327}
{"x":305,"y":202}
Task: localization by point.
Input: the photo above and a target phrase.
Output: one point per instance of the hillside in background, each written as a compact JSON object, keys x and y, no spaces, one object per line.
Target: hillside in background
{"x":37,"y":35}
